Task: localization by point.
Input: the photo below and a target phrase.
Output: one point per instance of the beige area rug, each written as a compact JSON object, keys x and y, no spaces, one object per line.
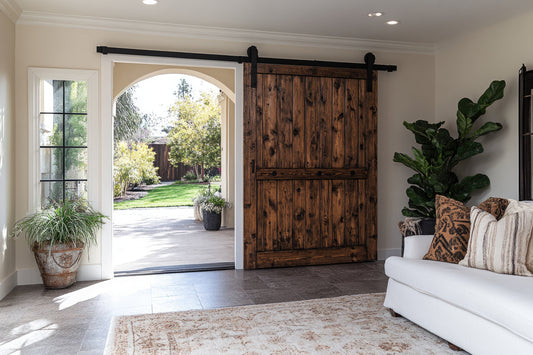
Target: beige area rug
{"x":357,"y":324}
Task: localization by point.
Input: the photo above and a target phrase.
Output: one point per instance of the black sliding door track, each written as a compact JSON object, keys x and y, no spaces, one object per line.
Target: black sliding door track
{"x":254,"y":59}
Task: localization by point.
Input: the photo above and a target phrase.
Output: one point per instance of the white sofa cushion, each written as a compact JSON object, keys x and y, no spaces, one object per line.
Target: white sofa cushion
{"x":503,"y":299}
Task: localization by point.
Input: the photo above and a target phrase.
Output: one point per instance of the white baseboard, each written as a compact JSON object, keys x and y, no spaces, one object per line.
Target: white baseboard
{"x":385,"y":253}
{"x":90,"y":272}
{"x":86,"y":272}
{"x":8,"y":284}
{"x":28,"y":277}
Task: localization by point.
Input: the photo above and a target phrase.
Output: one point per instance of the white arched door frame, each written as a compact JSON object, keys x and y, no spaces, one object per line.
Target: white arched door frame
{"x":105,"y":203}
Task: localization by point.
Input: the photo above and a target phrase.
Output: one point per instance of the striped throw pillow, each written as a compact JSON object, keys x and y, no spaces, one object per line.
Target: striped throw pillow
{"x":499,"y":246}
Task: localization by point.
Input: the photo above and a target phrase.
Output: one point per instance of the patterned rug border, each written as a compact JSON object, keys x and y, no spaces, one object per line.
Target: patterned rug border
{"x":257,"y":309}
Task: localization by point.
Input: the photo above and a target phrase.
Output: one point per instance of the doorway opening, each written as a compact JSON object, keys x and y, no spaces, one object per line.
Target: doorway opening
{"x":157,"y":227}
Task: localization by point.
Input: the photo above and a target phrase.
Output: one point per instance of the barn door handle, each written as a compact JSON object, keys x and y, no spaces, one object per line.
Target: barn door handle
{"x":253,"y":166}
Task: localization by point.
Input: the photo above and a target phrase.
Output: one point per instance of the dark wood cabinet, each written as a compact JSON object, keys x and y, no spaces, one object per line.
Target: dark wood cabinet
{"x":525,"y":129}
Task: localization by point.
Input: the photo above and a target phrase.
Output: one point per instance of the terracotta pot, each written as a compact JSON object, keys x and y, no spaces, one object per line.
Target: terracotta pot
{"x":58,"y":266}
{"x":212,"y":220}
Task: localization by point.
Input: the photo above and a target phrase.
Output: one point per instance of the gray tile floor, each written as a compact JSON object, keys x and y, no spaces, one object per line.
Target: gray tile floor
{"x":76,"y":321}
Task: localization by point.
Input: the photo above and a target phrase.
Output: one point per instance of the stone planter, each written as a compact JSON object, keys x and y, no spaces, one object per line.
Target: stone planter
{"x":212,"y":220}
{"x":197,"y":213}
{"x":58,"y":266}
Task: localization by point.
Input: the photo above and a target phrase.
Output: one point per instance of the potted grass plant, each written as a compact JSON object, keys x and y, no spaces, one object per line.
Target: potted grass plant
{"x":57,"y":236}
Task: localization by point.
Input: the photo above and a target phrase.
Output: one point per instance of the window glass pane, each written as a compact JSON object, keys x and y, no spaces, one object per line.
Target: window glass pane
{"x":51,"y":129}
{"x":76,"y":189}
{"x":76,"y":130}
{"x":76,"y":163}
{"x":51,"y":191}
{"x":51,"y":163}
{"x":75,"y":96}
{"x":52,"y":96}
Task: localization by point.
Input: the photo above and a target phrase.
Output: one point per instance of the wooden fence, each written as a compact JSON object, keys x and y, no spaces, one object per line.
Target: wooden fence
{"x":166,"y":171}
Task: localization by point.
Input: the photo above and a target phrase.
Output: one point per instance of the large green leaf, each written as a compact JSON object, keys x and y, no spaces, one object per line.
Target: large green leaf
{"x":486,"y":129}
{"x":462,"y":191}
{"x":408,"y":162}
{"x":412,"y":213}
{"x":423,"y":130}
{"x":470,"y":109}
{"x":493,"y":93}
{"x":464,"y":123}
{"x":417,"y":196}
{"x":466,"y":150}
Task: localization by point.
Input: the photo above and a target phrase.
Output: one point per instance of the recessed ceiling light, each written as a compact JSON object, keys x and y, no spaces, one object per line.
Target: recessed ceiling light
{"x":375,"y":14}
{"x":392,"y":22}
{"x":149,"y":2}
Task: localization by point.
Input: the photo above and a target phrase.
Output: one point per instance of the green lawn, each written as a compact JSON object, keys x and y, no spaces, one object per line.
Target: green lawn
{"x":165,"y":196}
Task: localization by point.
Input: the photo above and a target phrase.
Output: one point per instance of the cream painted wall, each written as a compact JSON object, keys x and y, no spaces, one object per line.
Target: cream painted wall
{"x":465,"y":67}
{"x":7,"y":172}
{"x":407,"y":94}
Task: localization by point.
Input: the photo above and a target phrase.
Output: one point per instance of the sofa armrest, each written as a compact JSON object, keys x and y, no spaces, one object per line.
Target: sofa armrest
{"x":417,"y":246}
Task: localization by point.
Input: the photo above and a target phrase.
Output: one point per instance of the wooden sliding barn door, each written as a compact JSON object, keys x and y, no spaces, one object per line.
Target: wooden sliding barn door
{"x":310,"y":179}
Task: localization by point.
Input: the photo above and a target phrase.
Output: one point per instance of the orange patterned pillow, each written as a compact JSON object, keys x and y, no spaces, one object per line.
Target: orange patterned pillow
{"x":452,"y":229}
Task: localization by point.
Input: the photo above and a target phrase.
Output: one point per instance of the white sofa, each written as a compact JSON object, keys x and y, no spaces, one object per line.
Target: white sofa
{"x":477,"y":310}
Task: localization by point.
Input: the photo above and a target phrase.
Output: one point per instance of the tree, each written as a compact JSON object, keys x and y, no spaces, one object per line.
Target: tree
{"x":128,"y":119}
{"x":195,"y":138}
{"x":184,"y":89}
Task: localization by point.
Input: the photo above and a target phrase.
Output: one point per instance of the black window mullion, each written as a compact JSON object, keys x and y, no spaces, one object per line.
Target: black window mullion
{"x":64,"y":142}
{"x":63,"y":148}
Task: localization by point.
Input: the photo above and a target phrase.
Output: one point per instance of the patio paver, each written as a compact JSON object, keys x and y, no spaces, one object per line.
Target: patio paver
{"x":167,"y":236}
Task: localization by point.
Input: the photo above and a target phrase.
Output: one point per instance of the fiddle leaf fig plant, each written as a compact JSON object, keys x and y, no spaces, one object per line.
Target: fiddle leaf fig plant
{"x":439,"y":154}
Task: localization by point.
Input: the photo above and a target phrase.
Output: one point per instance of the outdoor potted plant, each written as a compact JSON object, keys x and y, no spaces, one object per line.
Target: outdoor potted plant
{"x":438,"y":156}
{"x":212,"y":208}
{"x":57,"y":236}
{"x":202,"y":197}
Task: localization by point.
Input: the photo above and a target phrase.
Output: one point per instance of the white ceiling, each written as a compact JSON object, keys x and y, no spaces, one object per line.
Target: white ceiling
{"x":423,"y":21}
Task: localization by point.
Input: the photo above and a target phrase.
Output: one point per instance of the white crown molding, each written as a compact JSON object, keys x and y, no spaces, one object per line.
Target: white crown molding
{"x":11,"y":9}
{"x":223,"y":34}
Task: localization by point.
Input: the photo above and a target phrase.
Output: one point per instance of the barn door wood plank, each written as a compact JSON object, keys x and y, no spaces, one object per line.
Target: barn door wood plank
{"x":270,"y":149}
{"x":312,"y":129}
{"x":250,"y":108}
{"x":285,"y":188}
{"x":287,"y":258}
{"x":370,"y":109}
{"x":350,"y":160}
{"x":337,"y":161}
{"x":299,"y":149}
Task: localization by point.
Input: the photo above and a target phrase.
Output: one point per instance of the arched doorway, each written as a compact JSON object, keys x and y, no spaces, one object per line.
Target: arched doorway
{"x":126,"y":75}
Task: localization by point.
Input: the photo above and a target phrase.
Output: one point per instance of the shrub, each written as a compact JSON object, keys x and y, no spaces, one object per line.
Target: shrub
{"x":190,"y":176}
{"x":133,"y":165}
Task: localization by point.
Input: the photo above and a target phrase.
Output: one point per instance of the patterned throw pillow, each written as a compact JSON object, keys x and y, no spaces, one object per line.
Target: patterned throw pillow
{"x":499,"y":246}
{"x":452,"y":229}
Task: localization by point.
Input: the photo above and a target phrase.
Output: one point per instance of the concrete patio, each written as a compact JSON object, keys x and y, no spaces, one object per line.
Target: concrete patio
{"x":168,"y":236}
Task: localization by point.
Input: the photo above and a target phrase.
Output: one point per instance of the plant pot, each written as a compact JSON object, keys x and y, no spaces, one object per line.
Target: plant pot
{"x":58,"y":266}
{"x":427,"y":226}
{"x":197,"y":213}
{"x":212,"y":220}
{"x":415,"y":226}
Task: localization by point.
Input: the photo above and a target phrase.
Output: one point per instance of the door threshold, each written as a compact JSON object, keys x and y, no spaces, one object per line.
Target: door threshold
{"x":172,"y":269}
